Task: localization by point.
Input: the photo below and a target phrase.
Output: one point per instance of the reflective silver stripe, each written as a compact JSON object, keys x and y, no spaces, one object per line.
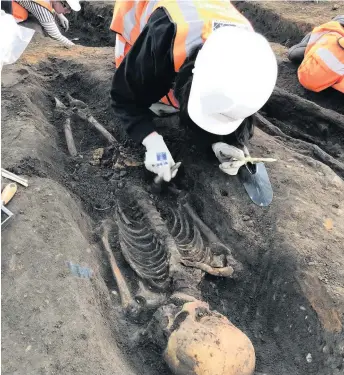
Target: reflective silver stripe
{"x":190,"y":14}
{"x":119,"y":47}
{"x":316,"y":36}
{"x":146,"y":14}
{"x":129,"y":22}
{"x":331,"y":61}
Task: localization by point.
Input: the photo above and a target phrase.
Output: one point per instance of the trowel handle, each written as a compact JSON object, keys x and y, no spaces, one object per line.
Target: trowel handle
{"x":8,"y":193}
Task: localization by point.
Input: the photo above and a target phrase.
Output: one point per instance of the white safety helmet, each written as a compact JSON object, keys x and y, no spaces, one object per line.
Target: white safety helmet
{"x":235,"y":73}
{"x":74,"y":5}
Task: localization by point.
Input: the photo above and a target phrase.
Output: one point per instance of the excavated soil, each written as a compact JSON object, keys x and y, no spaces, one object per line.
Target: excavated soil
{"x":61,"y":312}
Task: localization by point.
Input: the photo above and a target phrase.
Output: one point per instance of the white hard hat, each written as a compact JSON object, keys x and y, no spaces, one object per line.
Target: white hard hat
{"x":74,"y":4}
{"x":235,"y":73}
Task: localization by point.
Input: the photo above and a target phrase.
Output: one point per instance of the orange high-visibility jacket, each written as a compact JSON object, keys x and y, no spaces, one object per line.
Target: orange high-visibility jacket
{"x":323,"y":64}
{"x":194,"y":21}
{"x":21,"y":14}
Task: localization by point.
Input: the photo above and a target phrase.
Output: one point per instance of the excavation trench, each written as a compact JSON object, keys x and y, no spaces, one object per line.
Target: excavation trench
{"x":278,"y":302}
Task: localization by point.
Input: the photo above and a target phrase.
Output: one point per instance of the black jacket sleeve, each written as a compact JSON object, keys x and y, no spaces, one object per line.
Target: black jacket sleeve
{"x":145,"y":76}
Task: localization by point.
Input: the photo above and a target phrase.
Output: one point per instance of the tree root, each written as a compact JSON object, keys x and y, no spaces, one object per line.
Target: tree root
{"x":302,"y":147}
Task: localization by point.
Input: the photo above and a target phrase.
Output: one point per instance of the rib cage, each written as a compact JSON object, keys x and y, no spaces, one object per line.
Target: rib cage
{"x":188,"y":238}
{"x":142,"y":249}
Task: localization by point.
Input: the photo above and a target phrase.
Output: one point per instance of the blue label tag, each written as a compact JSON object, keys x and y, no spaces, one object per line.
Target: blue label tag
{"x":161,"y":156}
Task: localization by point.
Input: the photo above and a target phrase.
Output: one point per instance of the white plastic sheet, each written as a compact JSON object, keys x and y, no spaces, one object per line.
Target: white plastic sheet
{"x":14,"y":39}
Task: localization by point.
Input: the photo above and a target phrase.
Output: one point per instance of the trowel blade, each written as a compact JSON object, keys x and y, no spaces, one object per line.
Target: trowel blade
{"x":8,"y":216}
{"x":257,"y":183}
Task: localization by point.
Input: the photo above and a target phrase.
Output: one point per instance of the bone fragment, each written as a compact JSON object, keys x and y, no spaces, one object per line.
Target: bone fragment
{"x":59,"y":104}
{"x":148,"y":298}
{"x":69,"y":138}
{"x":221,"y":271}
{"x":75,"y":102}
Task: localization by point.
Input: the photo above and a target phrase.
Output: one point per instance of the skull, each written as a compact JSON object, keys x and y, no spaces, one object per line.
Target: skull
{"x":204,"y":342}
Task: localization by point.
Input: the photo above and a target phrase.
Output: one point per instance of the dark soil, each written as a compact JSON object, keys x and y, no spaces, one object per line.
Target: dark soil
{"x":279,"y":302}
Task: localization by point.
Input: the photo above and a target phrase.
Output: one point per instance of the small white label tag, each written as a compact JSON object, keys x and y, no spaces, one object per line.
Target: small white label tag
{"x":216,"y":24}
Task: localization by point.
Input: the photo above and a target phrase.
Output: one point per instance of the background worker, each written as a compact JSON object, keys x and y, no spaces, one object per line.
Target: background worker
{"x":46,"y":12}
{"x":220,"y":70}
{"x":321,"y":54}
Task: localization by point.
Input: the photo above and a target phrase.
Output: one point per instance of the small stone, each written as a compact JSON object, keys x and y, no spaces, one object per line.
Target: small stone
{"x":326,"y":349}
{"x":122,"y":173}
{"x":335,"y":6}
{"x":309,"y":358}
{"x":246,"y":218}
{"x":107,"y":175}
{"x":114,"y":178}
{"x":21,"y":211}
{"x":321,"y":173}
{"x":302,"y":308}
{"x":312,"y":163}
{"x":335,"y":205}
{"x":120,"y":184}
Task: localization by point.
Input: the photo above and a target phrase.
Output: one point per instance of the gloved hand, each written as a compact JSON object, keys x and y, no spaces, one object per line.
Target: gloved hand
{"x":158,"y":158}
{"x":63,"y":21}
{"x":230,"y":157}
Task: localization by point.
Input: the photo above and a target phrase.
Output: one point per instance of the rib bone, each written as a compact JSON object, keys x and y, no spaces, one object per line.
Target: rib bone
{"x":194,"y":252}
{"x":213,"y":239}
{"x":143,"y":250}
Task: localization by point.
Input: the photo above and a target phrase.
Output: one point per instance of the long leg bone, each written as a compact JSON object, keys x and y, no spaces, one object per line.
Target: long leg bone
{"x":69,"y":138}
{"x":81,"y":109}
{"x":127,"y":300}
{"x":92,"y":121}
{"x":67,"y":113}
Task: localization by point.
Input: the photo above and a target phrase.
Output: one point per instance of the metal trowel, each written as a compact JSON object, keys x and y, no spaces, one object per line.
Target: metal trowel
{"x":158,"y":180}
{"x":257,"y":184}
{"x":6,"y":195}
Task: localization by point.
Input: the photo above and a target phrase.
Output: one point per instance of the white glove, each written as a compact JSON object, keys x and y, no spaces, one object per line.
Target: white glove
{"x":158,"y":158}
{"x":230,"y":157}
{"x":63,"y":21}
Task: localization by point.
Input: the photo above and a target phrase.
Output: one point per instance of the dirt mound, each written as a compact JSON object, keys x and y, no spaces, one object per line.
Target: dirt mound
{"x":58,"y":313}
